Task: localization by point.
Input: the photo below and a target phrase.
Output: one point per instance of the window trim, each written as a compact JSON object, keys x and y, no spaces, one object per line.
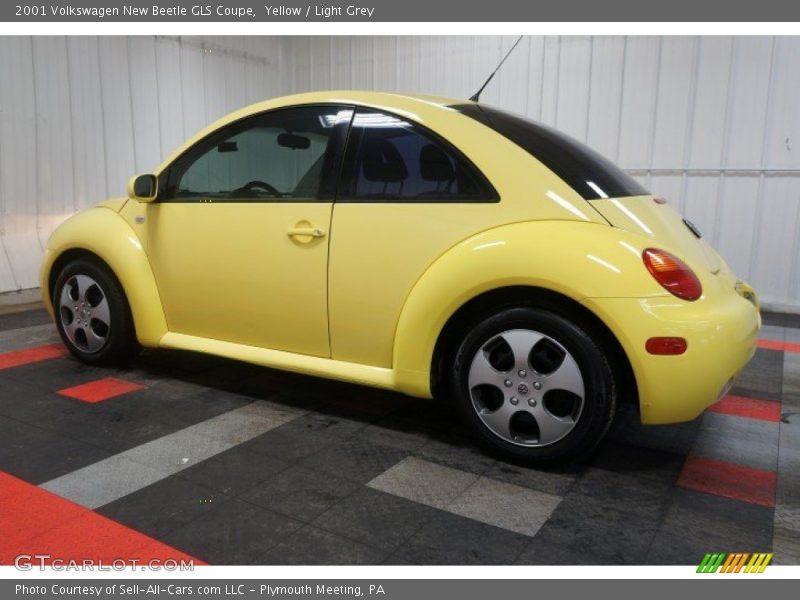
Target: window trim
{"x":347,"y":167}
{"x":329,"y":182}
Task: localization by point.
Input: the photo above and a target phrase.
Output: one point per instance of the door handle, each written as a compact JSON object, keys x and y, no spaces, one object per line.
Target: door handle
{"x":314,"y":232}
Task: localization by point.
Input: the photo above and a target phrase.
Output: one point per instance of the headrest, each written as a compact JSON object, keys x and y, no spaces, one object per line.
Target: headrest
{"x":434,"y":164}
{"x":382,"y":162}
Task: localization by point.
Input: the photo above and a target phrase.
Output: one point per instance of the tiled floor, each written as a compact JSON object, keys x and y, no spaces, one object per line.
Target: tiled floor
{"x":192,"y":456}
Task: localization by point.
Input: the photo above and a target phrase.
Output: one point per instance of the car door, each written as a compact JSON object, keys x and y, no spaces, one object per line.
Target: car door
{"x":238,"y":238}
{"x":406,"y":197}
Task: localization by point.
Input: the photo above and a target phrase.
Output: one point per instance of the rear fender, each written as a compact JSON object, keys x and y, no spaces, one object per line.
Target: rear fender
{"x":576,"y":259}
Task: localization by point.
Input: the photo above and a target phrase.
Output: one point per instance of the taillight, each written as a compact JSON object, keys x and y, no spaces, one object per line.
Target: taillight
{"x":672,"y":274}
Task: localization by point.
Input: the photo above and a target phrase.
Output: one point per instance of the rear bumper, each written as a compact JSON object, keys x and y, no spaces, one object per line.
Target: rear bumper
{"x":721,"y":332}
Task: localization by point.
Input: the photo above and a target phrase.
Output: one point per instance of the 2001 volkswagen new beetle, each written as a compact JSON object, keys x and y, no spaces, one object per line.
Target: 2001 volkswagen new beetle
{"x":438,"y":247}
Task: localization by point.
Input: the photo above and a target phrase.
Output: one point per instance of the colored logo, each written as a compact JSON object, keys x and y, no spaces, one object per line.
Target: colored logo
{"x":737,"y":562}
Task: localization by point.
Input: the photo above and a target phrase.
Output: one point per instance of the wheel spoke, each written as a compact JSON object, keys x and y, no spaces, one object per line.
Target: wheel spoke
{"x":64,"y":301}
{"x":499,"y":420}
{"x":102,"y":313}
{"x":551,"y":427}
{"x":93,"y":341}
{"x":566,"y":377}
{"x":482,"y":372}
{"x":70,"y":330}
{"x":84,"y":283}
{"x":521,"y":342}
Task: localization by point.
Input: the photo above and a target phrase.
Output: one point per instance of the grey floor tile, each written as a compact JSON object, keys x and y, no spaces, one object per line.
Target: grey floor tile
{"x":449,"y":539}
{"x":399,"y":433}
{"x":244,"y":423}
{"x":424,"y":482}
{"x":772,"y":332}
{"x":355,"y":459}
{"x":749,"y":442}
{"x":177,"y":451}
{"x":28,"y":337}
{"x":233,"y":533}
{"x":234,"y":471}
{"x":582,"y":533}
{"x":554,"y":481}
{"x":300,"y":493}
{"x":628,"y":429}
{"x":313,"y":546}
{"x":290,"y":443}
{"x":453,"y":449}
{"x":762,"y":377}
{"x":104,"y":481}
{"x":53,"y":458}
{"x":338,"y":423}
{"x":791,"y":380}
{"x":163,"y":506}
{"x":375,"y":519}
{"x":697,"y":523}
{"x":786,"y":546}
{"x":638,"y":461}
{"x":504,"y":505}
{"x":788,"y":518}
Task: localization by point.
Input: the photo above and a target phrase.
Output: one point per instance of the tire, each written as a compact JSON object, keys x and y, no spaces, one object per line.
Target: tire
{"x":534,"y":386}
{"x":92,"y":314}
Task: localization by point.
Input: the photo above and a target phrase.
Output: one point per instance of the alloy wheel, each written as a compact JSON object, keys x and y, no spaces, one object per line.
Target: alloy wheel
{"x":526,"y":388}
{"x":84,"y":313}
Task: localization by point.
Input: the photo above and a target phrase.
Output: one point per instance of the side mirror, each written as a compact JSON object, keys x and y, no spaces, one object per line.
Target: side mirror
{"x":143,"y":188}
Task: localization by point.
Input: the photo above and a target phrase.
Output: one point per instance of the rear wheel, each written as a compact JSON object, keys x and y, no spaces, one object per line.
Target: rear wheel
{"x":92,"y":314}
{"x":534,"y":385}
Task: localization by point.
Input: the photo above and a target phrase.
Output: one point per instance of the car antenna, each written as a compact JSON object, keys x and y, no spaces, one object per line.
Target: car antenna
{"x":476,"y":96}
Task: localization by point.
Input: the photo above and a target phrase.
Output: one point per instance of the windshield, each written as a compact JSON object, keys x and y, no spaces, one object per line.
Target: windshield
{"x":591,"y":175}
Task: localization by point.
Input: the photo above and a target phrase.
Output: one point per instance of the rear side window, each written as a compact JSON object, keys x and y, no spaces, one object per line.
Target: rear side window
{"x":389,"y":159}
{"x":588,"y":173}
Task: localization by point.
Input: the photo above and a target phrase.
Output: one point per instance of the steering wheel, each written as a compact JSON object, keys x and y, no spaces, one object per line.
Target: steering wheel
{"x":254,"y":185}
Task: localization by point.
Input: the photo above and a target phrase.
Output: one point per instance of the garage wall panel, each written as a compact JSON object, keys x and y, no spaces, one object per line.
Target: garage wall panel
{"x":80,"y":115}
{"x":711,"y":123}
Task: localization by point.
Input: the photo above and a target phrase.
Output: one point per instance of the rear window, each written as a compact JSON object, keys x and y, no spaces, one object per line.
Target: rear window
{"x":591,"y":175}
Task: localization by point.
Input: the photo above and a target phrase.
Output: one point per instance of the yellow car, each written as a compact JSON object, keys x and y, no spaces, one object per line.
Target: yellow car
{"x":433,"y":246}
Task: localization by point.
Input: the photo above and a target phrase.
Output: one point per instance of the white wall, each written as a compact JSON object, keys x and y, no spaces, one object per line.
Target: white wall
{"x":712,"y":123}
{"x":80,"y":115}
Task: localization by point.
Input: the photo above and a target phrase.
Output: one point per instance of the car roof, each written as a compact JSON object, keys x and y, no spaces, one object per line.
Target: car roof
{"x":407,"y":104}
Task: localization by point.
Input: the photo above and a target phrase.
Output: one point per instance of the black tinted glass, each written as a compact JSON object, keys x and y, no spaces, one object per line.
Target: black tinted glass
{"x":591,"y":175}
{"x":391,"y":160}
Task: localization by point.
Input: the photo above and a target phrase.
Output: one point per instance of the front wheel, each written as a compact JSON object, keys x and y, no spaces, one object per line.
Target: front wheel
{"x":534,"y":386}
{"x":92,"y":314}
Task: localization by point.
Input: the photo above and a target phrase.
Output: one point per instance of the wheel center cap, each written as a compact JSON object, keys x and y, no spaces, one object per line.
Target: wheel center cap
{"x":522,"y":389}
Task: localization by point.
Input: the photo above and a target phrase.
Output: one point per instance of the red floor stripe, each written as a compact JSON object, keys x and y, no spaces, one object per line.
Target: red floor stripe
{"x":31,"y":355}
{"x":751,"y":408}
{"x":35,"y":521}
{"x":719,"y":478}
{"x":102,"y":389}
{"x":779,"y":345}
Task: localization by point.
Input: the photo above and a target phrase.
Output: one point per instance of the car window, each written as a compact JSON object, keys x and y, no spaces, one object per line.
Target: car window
{"x":288,"y":155}
{"x":390,"y":159}
{"x":591,"y":175}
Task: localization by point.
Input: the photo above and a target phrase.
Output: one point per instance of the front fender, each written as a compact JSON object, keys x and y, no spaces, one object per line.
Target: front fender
{"x":577,"y":259}
{"x":104,"y":233}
